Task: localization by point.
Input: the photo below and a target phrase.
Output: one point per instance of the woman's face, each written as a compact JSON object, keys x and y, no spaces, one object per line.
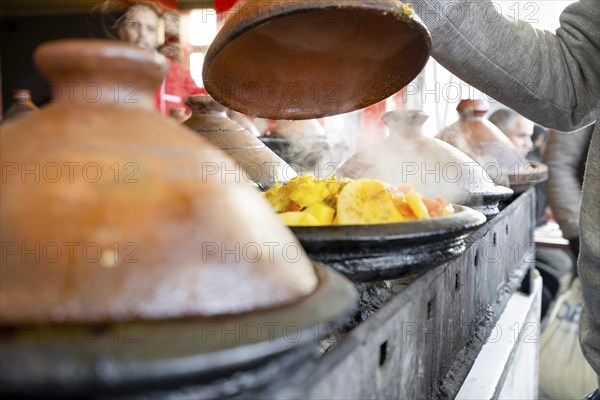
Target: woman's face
{"x":140,"y":27}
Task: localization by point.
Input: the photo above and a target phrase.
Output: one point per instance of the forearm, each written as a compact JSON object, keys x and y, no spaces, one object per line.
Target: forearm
{"x":548,"y":78}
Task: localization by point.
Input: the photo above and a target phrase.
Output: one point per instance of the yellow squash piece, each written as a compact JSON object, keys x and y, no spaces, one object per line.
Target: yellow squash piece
{"x":307,"y":191}
{"x":416,"y":204}
{"x":298,"y":218}
{"x":366,"y":201}
{"x":278,"y":197}
{"x":322,"y":212}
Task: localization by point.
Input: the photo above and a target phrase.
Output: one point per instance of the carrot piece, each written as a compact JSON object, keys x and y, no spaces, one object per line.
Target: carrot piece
{"x":406,"y":188}
{"x":434,"y":207}
{"x":405,"y":210}
{"x":293,"y":207}
{"x":442,"y":200}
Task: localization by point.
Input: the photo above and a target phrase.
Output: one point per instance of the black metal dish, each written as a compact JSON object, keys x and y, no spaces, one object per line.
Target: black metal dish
{"x":487,"y":201}
{"x":389,"y":251}
{"x":528,"y":176}
{"x":135,"y":358}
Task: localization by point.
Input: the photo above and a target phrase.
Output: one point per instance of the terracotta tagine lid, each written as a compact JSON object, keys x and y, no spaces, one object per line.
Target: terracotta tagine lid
{"x":433,"y":167}
{"x":21,"y":105}
{"x":485,"y":143}
{"x":295,"y":59}
{"x":111,"y":212}
{"x":259,"y":164}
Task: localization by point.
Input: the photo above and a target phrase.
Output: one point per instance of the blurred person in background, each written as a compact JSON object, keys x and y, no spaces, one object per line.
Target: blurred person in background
{"x":141,"y":26}
{"x":553,"y":264}
{"x":540,"y":141}
{"x":516,"y":127}
{"x":520,"y":131}
{"x":539,"y":138}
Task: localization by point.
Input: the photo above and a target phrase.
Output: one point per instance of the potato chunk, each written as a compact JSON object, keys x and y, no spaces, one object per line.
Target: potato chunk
{"x":298,"y":218}
{"x":366,"y":201}
{"x":308,"y":191}
{"x":322,"y":212}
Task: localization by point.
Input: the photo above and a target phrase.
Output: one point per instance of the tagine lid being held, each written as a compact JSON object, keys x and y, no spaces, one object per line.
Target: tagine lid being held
{"x":133,"y":217}
{"x":301,"y":59}
{"x":432,"y":166}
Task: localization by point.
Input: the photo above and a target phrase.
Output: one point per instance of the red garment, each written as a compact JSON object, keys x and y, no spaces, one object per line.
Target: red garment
{"x":223,"y":5}
{"x":174,"y":90}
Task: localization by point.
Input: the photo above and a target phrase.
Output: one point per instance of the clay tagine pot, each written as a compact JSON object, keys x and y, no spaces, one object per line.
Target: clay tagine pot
{"x":485,"y":143}
{"x":432,"y":166}
{"x":178,"y":114}
{"x":244,"y":121}
{"x":295,"y":59}
{"x":127,"y":215}
{"x":259,"y":164}
{"x":21,"y":105}
{"x":300,"y":128}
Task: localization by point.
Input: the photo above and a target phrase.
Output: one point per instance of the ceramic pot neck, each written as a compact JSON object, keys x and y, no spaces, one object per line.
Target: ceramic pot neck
{"x":473,"y":109}
{"x":208,"y":115}
{"x":101,"y":72}
{"x":404,"y":124}
{"x":205,"y":104}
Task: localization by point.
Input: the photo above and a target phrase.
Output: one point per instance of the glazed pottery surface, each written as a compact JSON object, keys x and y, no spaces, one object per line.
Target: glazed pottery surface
{"x":111,"y":212}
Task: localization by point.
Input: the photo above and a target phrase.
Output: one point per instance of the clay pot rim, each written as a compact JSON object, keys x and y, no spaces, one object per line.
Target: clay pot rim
{"x":214,"y":355}
{"x":56,"y":57}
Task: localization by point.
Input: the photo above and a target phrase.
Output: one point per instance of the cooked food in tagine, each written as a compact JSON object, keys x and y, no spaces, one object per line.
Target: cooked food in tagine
{"x":306,"y":201}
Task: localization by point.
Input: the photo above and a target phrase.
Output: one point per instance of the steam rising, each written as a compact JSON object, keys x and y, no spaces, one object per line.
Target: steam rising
{"x":308,"y":147}
{"x":430,"y":165}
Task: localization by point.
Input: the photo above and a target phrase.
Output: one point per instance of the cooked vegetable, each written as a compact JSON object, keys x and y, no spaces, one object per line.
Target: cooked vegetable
{"x":366,"y":201}
{"x":416,"y":204}
{"x":306,"y":201}
{"x":298,"y":218}
{"x":308,"y":191}
{"x":322,"y":212}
